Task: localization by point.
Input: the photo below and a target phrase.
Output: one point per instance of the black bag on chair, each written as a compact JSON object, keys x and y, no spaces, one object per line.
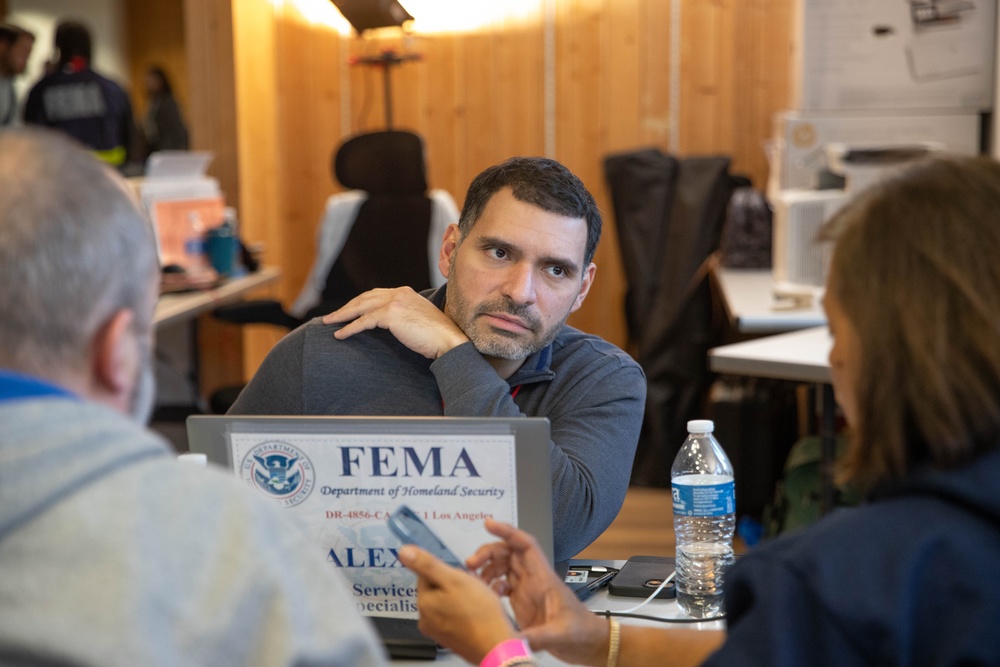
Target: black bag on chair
{"x":669,"y":215}
{"x":746,"y":238}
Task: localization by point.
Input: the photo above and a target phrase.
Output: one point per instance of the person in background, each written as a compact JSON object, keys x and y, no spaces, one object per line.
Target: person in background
{"x":79,"y":101}
{"x":15,"y":49}
{"x":909,"y":577}
{"x":113,"y":552}
{"x":162,"y":128}
{"x":491,"y":342}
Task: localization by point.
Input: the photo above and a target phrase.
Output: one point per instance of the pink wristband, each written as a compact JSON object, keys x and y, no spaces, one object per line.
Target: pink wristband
{"x":509,"y":652}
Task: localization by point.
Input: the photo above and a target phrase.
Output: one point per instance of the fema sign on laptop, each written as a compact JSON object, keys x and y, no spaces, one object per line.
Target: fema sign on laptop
{"x":344,"y":486}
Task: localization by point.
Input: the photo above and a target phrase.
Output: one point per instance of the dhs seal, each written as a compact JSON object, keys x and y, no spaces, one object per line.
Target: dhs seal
{"x":279,"y":471}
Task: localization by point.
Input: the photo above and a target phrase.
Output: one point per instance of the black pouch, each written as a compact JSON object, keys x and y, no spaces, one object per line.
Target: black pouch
{"x":641,"y":575}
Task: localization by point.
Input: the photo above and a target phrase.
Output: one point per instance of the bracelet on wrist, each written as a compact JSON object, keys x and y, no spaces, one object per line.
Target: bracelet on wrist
{"x":614,"y":642}
{"x":507,"y":654}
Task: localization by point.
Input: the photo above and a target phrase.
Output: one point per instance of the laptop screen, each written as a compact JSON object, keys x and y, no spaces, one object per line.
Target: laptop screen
{"x":342,"y":476}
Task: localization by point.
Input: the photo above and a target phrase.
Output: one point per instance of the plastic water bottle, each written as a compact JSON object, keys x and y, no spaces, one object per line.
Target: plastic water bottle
{"x":704,"y":502}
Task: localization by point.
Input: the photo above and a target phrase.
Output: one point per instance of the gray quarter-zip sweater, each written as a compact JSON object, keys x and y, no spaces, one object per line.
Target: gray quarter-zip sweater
{"x":592,"y":393}
{"x":114,"y":553}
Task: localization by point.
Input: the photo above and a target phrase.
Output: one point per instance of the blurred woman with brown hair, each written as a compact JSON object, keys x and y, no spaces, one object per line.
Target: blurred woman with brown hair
{"x":910,"y":576}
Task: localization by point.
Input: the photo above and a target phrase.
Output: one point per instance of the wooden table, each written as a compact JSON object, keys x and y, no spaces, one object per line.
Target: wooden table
{"x":756,"y":309}
{"x":183,"y":306}
{"x":177,"y":349}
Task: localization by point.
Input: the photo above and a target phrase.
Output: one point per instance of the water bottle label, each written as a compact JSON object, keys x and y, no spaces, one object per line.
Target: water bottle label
{"x":704,"y":499}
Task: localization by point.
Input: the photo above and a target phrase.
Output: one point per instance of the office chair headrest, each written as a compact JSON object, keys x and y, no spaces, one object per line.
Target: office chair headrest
{"x":390,"y":162}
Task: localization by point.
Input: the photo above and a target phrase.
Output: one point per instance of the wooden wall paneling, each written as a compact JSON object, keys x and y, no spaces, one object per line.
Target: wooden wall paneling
{"x":309,"y":132}
{"x":325,"y":131}
{"x":582,"y":129}
{"x":260,"y":164}
{"x":654,"y":74}
{"x":210,"y":111}
{"x":699,"y":91}
{"x":734,"y":77}
{"x":476,"y":148}
{"x":154,"y":35}
{"x":740,"y":107}
{"x":362,"y":94}
{"x":774,"y":92}
{"x":257,"y":122}
{"x":409,"y":88}
{"x":436,"y":92}
{"x":519,"y":78}
{"x":325,"y":134}
{"x":208,"y":35}
{"x":293,"y":101}
{"x":581,"y":135}
{"x":618,"y":88}
{"x":730,"y":70}
{"x":770,"y":80}
{"x":367,"y":104}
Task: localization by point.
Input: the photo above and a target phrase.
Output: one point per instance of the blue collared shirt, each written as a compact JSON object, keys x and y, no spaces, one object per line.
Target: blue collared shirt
{"x":15,"y":386}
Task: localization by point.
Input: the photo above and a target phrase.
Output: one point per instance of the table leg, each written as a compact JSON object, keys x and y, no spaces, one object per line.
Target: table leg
{"x":194,"y":368}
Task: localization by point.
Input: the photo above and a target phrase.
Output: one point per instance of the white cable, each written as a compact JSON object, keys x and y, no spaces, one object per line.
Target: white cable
{"x":653,"y":595}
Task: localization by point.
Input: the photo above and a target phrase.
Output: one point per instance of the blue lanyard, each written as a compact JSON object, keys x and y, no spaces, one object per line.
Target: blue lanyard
{"x":14,"y":386}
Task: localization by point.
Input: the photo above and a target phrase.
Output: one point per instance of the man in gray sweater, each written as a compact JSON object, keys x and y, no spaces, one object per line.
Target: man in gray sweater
{"x":492,"y":342}
{"x":112,"y":552}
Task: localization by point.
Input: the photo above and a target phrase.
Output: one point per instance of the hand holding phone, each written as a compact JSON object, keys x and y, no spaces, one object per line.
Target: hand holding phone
{"x":410,"y":529}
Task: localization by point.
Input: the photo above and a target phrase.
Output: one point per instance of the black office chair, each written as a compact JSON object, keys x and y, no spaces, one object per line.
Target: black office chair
{"x":391,"y":224}
{"x":387,"y":241}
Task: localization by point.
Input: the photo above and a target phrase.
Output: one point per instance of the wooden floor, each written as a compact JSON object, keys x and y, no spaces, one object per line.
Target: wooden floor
{"x":644,"y":527}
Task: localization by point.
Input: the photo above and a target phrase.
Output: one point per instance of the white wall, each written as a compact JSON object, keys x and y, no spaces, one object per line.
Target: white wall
{"x":103,"y":17}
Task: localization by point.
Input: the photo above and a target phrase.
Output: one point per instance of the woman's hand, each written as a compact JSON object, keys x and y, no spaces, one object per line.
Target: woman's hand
{"x":457,"y":610}
{"x":550,"y":616}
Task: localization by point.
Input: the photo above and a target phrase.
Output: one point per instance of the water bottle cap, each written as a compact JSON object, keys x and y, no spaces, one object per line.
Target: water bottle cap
{"x":701,"y":426}
{"x":194,"y":457}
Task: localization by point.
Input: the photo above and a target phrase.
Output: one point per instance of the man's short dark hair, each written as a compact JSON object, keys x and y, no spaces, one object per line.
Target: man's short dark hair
{"x":538,"y":181}
{"x":73,"y":41}
{"x":10,"y":33}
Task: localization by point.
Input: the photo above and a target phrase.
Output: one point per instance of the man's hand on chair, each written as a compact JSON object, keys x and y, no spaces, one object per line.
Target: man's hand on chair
{"x":413,"y":320}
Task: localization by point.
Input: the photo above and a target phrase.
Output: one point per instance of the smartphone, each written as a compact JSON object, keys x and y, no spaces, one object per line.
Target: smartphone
{"x":641,"y":575}
{"x":410,"y":529}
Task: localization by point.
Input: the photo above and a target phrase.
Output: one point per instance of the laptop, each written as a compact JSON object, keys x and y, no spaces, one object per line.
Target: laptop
{"x":341,"y":476}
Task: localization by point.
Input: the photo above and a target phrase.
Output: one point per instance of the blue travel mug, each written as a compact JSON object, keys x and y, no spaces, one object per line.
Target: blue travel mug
{"x":220,"y":245}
